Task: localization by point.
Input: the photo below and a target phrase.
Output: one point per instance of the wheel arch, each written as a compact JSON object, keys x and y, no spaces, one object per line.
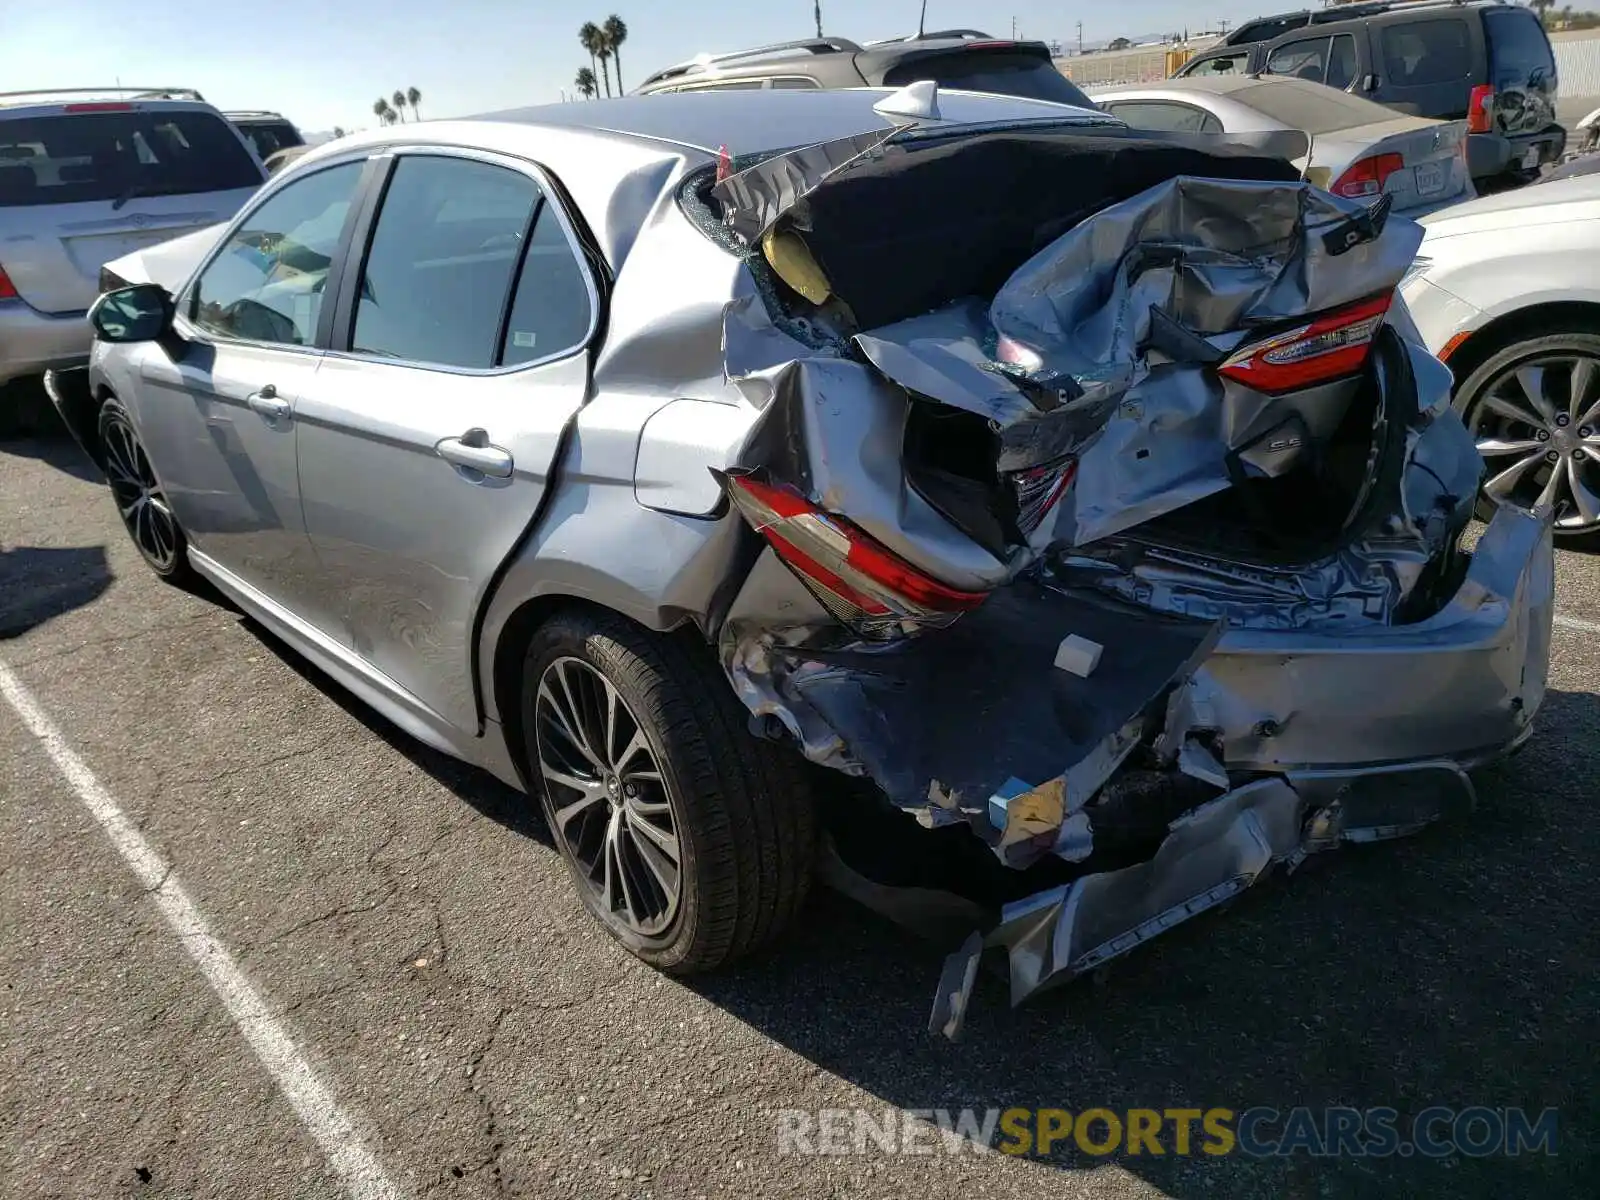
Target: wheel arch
{"x":1537,"y":320}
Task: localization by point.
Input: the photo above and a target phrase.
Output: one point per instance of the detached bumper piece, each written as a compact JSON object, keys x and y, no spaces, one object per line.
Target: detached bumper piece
{"x":1210,"y":856}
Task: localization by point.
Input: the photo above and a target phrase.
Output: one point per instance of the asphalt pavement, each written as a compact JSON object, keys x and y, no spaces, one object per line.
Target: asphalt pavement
{"x":416,"y":952}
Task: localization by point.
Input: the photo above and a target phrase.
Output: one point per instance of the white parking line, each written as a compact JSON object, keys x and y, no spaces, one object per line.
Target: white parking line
{"x":364,"y":1177}
{"x":1567,"y":622}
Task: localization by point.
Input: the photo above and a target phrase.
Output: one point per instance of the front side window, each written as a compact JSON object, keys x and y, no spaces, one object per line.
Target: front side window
{"x":268,"y":282}
{"x":437,"y":286}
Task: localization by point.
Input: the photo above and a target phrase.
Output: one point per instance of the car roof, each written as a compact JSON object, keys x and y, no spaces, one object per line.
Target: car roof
{"x":753,"y":122}
{"x":615,"y":157}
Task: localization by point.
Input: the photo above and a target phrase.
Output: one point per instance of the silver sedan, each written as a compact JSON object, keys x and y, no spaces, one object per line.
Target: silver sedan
{"x":1358,"y":149}
{"x":641,"y":452}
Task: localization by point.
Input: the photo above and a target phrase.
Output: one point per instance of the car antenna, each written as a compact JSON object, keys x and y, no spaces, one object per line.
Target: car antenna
{"x":922,"y":19}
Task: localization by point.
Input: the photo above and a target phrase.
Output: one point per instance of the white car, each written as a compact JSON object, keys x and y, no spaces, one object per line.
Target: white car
{"x":1506,"y":290}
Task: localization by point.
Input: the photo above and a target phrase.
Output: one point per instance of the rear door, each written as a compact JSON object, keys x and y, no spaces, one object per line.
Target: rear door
{"x":86,"y":183}
{"x":1522,"y":71}
{"x":425,"y":448}
{"x":1426,"y":64}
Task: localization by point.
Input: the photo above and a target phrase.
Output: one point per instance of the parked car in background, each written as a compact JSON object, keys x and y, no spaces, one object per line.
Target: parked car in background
{"x":1506,"y":290}
{"x":639,"y":482}
{"x":268,"y":132}
{"x":1481,"y":61}
{"x":953,"y":58}
{"x":1359,"y":150}
{"x":87,"y":176}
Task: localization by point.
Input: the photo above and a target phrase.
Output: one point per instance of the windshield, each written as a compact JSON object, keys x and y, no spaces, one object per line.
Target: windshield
{"x":77,"y":157}
{"x":1029,"y":76}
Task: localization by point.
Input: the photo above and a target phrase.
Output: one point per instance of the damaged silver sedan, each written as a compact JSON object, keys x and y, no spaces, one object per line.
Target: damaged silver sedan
{"x":1079,"y":502}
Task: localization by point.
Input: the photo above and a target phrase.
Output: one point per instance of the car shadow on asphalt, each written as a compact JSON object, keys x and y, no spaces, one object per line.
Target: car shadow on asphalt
{"x":55,"y":448}
{"x":1452,"y":968}
{"x":40,"y":583}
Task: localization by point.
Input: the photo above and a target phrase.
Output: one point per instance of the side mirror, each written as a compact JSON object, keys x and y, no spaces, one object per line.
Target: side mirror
{"x":142,"y":313}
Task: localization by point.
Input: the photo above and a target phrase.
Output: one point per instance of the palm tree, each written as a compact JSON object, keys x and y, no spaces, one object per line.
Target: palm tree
{"x":381,"y":110}
{"x":338,"y":131}
{"x":603,"y":53}
{"x":399,"y":99}
{"x":414,"y":98}
{"x":616,"y":32}
{"x":590,"y":37}
{"x":586,"y":83}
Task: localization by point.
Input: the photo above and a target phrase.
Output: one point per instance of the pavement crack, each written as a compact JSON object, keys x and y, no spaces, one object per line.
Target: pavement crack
{"x":239,"y":768}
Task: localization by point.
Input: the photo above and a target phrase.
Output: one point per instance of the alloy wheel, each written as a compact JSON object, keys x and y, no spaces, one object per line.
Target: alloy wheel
{"x":1537,"y":425}
{"x":607,"y":798}
{"x":143,"y":506}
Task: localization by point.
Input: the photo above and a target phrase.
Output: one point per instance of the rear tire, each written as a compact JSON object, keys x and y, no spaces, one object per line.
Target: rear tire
{"x":737,"y":808}
{"x":1550,"y":424}
{"x":141,"y":503}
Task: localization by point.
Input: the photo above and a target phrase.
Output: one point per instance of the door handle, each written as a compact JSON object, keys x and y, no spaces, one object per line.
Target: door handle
{"x":472,"y":451}
{"x":269,"y":404}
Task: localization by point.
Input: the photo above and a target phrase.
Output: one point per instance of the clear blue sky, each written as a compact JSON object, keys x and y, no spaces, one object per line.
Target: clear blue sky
{"x":323,"y":62}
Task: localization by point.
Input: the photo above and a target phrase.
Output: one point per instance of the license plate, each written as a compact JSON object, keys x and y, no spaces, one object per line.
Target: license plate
{"x":1430,"y":178}
{"x":1530,"y":158}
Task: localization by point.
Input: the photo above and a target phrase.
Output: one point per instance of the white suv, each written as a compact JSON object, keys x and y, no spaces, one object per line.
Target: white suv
{"x":86,"y":177}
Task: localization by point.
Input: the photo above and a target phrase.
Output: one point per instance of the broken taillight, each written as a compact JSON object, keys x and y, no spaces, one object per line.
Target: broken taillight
{"x":1038,"y":489}
{"x":874,"y":591}
{"x":1329,"y":346}
{"x":1480,"y":109}
{"x":8,"y":290}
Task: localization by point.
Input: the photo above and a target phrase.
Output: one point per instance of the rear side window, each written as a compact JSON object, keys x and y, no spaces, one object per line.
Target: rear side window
{"x":1319,"y":60}
{"x":1517,"y":47}
{"x":79,"y":157}
{"x":1006,"y":74}
{"x":268,"y":137}
{"x":1420,"y":53}
{"x":1304,"y":59}
{"x":1164,"y":115}
{"x":451,"y":237}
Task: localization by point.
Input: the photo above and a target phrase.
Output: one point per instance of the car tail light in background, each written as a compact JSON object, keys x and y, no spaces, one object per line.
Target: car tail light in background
{"x":874,"y":591}
{"x":1366,"y":178}
{"x":8,"y":290}
{"x":1328,"y":346}
{"x":1480,"y":109}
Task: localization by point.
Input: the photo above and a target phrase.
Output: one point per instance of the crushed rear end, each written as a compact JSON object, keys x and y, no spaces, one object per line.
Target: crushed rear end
{"x":1109,"y":523}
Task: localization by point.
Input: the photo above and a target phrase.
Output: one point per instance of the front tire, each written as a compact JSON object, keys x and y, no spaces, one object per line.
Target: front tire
{"x":1534,"y":410}
{"x":141,"y":503}
{"x":690,"y":841}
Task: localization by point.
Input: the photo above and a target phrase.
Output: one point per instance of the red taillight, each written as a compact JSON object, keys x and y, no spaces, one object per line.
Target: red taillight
{"x":8,"y":290}
{"x":1367,"y":177}
{"x":724,"y":164}
{"x":1327,"y":347}
{"x":98,"y":106}
{"x":1480,"y":110}
{"x":874,"y":591}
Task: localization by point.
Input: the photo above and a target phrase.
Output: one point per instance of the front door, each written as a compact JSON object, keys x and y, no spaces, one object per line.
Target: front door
{"x":220,"y":405}
{"x":427,"y":442}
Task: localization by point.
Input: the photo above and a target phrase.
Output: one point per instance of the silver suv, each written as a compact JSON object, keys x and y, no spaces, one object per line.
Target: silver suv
{"x":88,"y":176}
